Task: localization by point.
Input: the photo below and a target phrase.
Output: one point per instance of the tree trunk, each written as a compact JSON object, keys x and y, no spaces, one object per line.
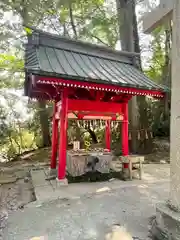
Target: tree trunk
{"x":44,"y":123}
{"x":125,"y":10}
{"x":128,"y":29}
{"x":146,"y":144}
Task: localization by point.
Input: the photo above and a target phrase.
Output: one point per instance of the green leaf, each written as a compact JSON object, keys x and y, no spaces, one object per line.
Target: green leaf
{"x":28,"y":30}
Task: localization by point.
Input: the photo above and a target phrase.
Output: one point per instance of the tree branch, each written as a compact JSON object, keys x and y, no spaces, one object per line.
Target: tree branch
{"x":72,"y":19}
{"x":97,"y":38}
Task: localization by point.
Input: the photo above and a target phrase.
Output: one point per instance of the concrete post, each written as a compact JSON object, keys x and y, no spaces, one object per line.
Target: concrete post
{"x":168,"y":214}
{"x":174,"y":198}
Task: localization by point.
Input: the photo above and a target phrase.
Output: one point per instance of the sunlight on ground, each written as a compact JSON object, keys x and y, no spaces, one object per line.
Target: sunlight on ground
{"x":104,"y":189}
{"x":148,"y":177}
{"x":142,"y":186}
{"x":144,"y":189}
{"x":39,"y":238}
{"x":91,"y":234}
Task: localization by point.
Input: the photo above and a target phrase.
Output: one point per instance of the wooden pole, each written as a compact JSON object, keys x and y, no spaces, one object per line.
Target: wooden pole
{"x":63,"y":135}
{"x":108,"y":135}
{"x":54,"y":138}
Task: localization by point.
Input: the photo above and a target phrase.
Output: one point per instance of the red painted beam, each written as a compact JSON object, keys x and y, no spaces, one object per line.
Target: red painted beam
{"x":63,"y":136}
{"x":98,"y":86}
{"x":93,"y":106}
{"x":125,"y":142}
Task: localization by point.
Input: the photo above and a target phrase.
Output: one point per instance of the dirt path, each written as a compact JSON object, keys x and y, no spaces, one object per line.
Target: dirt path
{"x":14,"y":196}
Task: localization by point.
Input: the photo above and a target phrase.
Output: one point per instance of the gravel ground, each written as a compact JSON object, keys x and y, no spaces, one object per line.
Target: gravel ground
{"x":84,"y":217}
{"x":89,"y":217}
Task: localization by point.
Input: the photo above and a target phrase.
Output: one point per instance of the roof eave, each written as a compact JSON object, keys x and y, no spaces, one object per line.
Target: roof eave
{"x":58,"y":79}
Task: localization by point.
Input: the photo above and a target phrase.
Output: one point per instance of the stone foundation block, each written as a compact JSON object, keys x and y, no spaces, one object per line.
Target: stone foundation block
{"x":61,"y":182}
{"x":167,"y":223}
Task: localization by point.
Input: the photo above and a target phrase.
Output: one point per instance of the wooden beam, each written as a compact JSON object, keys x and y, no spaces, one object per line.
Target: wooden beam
{"x":93,"y":106}
{"x":96,"y":116}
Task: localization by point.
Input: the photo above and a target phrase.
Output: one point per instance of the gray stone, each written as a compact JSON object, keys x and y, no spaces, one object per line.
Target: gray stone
{"x":3,"y":218}
{"x":167,"y":223}
{"x":125,"y":174}
{"x":38,"y":178}
{"x":26,"y":179}
{"x":52,"y":172}
{"x":5,"y":179}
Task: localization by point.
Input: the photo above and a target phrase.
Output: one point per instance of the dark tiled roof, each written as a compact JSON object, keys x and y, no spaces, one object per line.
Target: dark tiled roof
{"x":52,"y":55}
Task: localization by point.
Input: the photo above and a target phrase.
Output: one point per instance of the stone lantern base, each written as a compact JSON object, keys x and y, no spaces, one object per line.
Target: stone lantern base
{"x":167,"y":224}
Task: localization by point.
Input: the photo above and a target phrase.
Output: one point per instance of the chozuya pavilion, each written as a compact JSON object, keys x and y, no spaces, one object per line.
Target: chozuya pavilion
{"x":87,"y":81}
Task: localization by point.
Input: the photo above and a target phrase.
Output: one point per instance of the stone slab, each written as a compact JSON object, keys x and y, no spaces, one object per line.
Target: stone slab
{"x":42,"y":188}
{"x":7,"y":179}
{"x":43,"y":192}
{"x":167,"y":224}
{"x":38,"y":178}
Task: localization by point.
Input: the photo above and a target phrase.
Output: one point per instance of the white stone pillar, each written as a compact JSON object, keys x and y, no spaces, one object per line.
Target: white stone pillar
{"x":168,"y":215}
{"x":174,"y":197}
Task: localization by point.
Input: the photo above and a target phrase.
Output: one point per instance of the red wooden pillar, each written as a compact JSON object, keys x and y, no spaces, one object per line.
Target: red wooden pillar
{"x":54,"y":138}
{"x":125,"y":142}
{"x":63,"y":135}
{"x":108,"y":135}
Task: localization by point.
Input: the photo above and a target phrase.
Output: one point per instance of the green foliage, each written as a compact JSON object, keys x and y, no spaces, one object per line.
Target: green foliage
{"x":28,"y":31}
{"x":3,"y":126}
{"x":9,"y":62}
{"x":11,"y":70}
{"x":18,"y":142}
{"x":158,"y":121}
{"x":157,"y":61}
{"x":159,"y":70}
